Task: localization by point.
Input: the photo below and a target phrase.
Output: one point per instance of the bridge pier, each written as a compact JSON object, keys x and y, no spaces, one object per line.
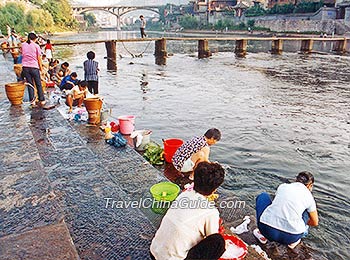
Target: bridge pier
{"x":111,"y":48}
{"x":203,"y":49}
{"x":277,"y":46}
{"x":339,"y":46}
{"x":241,"y":47}
{"x":160,"y":51}
{"x":306,"y":46}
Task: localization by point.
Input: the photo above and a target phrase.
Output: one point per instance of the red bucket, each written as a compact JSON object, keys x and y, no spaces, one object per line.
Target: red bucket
{"x":170,"y":147}
{"x":241,"y":248}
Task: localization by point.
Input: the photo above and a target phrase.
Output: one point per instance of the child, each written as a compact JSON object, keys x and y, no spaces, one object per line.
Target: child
{"x":48,"y":50}
{"x":91,"y":72}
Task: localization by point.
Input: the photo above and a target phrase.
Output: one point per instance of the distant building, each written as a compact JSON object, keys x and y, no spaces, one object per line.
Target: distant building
{"x":272,"y":3}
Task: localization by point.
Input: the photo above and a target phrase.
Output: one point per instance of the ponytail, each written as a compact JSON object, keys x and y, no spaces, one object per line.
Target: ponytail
{"x":31,"y":37}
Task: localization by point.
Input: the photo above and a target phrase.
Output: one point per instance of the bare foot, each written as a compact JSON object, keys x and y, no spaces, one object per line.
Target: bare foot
{"x":70,"y":111}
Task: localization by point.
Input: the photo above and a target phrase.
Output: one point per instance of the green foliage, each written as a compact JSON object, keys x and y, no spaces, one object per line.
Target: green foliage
{"x":90,"y":18}
{"x":12,"y":14}
{"x":61,"y":12}
{"x":222,"y":24}
{"x":39,"y":20}
{"x":242,"y":26}
{"x":154,"y":154}
{"x":251,"y":23}
{"x":189,"y":22}
{"x":308,"y":7}
{"x":25,"y":19}
{"x":255,"y":10}
{"x":36,"y":2}
{"x":282,"y":9}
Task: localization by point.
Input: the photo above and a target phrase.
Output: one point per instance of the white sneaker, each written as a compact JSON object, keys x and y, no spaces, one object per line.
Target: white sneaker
{"x":293,"y":245}
{"x":259,"y":236}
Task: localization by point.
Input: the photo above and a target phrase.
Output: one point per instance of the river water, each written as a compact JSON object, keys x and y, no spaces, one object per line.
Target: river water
{"x":279,"y":115}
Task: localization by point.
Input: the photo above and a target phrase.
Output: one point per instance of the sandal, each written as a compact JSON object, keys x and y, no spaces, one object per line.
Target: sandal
{"x":293,"y":245}
{"x":259,"y":236}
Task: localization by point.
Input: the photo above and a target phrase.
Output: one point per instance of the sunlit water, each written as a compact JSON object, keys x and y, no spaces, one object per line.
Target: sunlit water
{"x":279,"y":115}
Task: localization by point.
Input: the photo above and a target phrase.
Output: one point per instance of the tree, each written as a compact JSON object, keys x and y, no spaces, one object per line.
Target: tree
{"x":90,"y":18}
{"x":12,"y":14}
{"x":39,"y":20}
{"x":189,"y":22}
{"x":61,"y":12}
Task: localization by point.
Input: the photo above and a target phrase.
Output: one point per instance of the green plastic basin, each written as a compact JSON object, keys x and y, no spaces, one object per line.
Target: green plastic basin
{"x":166,"y":191}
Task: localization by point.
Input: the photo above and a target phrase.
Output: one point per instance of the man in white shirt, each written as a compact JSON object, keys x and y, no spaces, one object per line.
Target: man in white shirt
{"x":142,"y":26}
{"x":189,"y":229}
{"x":285,"y":218}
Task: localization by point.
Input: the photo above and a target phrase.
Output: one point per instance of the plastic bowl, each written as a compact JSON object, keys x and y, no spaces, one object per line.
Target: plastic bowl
{"x":167,"y":191}
{"x":238,"y":242}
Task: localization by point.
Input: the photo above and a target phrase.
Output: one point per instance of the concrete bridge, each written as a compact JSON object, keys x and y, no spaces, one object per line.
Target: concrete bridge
{"x":118,"y":11}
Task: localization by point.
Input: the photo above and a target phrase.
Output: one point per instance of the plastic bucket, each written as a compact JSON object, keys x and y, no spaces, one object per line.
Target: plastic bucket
{"x":163,"y":193}
{"x":239,"y":250}
{"x":170,"y":147}
{"x":146,"y":139}
{"x":126,"y":124}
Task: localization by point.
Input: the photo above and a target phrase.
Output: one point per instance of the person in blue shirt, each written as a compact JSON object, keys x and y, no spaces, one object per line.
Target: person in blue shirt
{"x":69,"y":81}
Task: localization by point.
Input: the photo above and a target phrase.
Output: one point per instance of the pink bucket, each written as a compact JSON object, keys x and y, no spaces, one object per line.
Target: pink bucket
{"x":126,"y":124}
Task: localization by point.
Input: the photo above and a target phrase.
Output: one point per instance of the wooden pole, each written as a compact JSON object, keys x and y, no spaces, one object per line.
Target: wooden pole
{"x":241,"y":47}
{"x":306,"y":46}
{"x":339,"y":46}
{"x":111,"y":48}
{"x":203,"y":49}
{"x":160,"y":51}
{"x":277,"y":46}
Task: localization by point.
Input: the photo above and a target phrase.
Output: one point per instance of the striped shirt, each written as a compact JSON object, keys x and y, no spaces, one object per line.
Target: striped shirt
{"x":186,"y":150}
{"x":91,"y":70}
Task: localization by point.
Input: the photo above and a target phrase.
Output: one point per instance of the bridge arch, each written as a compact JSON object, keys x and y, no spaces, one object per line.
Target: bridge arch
{"x":117,"y":11}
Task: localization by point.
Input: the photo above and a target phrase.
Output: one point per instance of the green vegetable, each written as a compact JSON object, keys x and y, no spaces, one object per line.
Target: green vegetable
{"x":154,"y":154}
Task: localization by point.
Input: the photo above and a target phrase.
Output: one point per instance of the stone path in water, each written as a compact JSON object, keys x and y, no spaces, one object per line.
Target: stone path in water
{"x":54,"y":172}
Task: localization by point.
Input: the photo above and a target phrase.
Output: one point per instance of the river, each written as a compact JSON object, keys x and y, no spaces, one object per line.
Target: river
{"x":279,"y":115}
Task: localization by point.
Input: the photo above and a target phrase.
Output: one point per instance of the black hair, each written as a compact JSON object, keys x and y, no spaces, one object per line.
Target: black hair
{"x":74,"y":74}
{"x":141,"y":16}
{"x":305,"y":178}
{"x":208,"y":177}
{"x":213,"y":132}
{"x":90,"y":55}
{"x":31,"y":37}
{"x":82,"y":83}
{"x":65,"y":64}
{"x":48,"y":41}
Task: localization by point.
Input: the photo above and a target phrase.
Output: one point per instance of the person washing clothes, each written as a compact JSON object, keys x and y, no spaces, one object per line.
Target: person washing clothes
{"x":69,"y":81}
{"x":194,"y":151}
{"x":285,"y":219}
{"x":76,"y":96}
{"x":191,"y":230}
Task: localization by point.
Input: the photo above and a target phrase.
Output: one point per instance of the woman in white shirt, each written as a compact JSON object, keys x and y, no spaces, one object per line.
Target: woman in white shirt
{"x":285,"y":219}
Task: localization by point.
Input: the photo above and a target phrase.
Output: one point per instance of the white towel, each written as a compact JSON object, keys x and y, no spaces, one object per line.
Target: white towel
{"x":139,"y":137}
{"x":243,"y":227}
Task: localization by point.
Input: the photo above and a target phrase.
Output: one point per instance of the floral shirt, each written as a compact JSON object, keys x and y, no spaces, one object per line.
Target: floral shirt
{"x":186,"y":150}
